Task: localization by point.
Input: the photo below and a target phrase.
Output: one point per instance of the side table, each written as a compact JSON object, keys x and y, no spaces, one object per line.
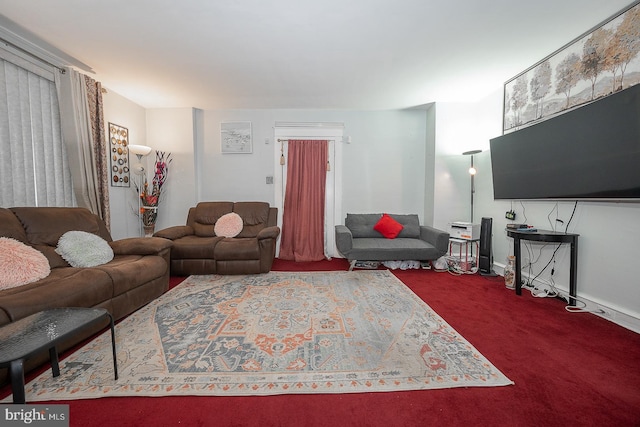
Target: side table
{"x":26,"y":337}
{"x":468,"y":266}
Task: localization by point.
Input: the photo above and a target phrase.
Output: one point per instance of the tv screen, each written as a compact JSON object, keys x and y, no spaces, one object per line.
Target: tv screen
{"x":592,"y":152}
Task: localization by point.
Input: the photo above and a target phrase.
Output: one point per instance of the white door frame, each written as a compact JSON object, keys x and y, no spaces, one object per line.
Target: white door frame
{"x":333,"y":205}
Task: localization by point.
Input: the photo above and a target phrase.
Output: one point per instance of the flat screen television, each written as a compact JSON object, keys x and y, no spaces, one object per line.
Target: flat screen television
{"x":591,"y":152}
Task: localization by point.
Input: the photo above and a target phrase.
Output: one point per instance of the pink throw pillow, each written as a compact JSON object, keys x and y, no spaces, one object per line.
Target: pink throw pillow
{"x":20,"y":264}
{"x":388,"y":227}
{"x":228,"y":225}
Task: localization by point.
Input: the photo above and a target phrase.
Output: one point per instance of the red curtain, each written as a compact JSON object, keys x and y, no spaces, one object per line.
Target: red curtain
{"x":304,"y":201}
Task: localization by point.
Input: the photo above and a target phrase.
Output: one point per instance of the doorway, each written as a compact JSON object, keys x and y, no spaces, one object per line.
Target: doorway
{"x":333,"y":132}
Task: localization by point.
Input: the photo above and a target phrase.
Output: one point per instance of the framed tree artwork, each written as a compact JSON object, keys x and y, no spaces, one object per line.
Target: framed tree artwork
{"x":602,"y":61}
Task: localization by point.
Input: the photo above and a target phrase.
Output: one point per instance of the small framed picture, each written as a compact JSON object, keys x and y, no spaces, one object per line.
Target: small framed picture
{"x":235,"y":137}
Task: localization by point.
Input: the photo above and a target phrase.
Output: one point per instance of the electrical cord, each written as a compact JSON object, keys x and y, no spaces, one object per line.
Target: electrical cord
{"x":575,"y":205}
{"x":553,"y":292}
{"x":583,"y":309}
{"x":524,"y":212}
{"x":453,"y":267}
{"x":553,"y":255}
{"x":529,"y":247}
{"x":555,"y":208}
{"x":546,"y":293}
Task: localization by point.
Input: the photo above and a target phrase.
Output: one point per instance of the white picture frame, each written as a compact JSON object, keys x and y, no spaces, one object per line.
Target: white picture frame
{"x":119,"y":155}
{"x":236,"y":138}
{"x":599,"y":63}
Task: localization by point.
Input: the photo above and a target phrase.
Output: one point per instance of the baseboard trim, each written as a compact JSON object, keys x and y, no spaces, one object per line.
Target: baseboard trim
{"x":594,"y":305}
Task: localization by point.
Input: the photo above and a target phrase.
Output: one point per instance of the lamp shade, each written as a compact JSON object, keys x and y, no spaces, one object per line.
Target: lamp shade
{"x":471,"y":153}
{"x":139,"y":150}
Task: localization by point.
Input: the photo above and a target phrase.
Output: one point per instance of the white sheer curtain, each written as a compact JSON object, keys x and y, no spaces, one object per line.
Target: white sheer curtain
{"x":33,"y":165}
{"x":76,"y":128}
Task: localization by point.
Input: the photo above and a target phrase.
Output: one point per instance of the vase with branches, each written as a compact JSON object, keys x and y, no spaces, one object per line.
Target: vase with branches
{"x":151,"y":195}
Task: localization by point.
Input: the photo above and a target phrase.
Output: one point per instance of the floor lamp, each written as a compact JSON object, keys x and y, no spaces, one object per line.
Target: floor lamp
{"x":472,"y":172}
{"x":140,"y":151}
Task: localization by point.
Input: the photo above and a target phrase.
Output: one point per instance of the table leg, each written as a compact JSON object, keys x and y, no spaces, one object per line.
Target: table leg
{"x":573,"y":271}
{"x":113,"y":347}
{"x":466,"y":257}
{"x":478,"y":256}
{"x":55,"y":361}
{"x":16,"y":372}
{"x":518,"y":272}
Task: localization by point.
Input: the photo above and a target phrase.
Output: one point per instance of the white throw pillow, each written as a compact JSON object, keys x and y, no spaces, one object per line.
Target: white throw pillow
{"x":82,"y":249}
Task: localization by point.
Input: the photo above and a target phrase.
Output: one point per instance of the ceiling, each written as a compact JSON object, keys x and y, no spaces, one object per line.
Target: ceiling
{"x":303,"y":54}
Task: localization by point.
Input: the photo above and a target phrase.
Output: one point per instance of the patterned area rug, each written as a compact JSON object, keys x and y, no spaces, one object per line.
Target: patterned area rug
{"x":277,"y":333}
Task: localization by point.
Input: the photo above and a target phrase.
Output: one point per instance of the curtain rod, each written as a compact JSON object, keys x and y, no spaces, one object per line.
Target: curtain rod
{"x":289,"y":139}
{"x":334,"y":125}
{"x":32,"y":55}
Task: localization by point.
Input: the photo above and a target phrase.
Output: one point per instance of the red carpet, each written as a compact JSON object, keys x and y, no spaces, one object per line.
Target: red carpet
{"x":569,"y":369}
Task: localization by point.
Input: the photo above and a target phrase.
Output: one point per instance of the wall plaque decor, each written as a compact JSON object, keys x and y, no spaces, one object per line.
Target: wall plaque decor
{"x":235,"y":137}
{"x":119,"y":155}
{"x":602,"y":61}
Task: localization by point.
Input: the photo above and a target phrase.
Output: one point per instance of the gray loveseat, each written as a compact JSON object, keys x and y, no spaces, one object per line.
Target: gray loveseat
{"x":357,"y":240}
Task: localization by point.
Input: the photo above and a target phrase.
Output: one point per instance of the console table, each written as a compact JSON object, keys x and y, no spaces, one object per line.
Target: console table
{"x":546,"y":237}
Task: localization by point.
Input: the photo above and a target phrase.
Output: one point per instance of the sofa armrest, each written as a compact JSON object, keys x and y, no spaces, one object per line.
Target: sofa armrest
{"x":175,"y":232}
{"x":438,"y":238}
{"x":269,"y":233}
{"x":344,"y":239}
{"x":140,"y":246}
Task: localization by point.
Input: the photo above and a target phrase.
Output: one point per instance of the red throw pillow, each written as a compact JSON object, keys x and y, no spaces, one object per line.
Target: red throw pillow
{"x":388,"y":227}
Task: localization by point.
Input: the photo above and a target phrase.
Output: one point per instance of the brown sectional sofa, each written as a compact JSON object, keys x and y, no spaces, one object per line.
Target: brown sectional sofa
{"x":138,"y":273}
{"x":198,"y":250}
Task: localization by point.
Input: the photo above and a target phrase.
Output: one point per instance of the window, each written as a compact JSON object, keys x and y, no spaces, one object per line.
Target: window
{"x":33,"y":162}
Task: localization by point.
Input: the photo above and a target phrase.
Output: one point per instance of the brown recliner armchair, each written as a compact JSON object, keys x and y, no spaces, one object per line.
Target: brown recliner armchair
{"x":198,"y":250}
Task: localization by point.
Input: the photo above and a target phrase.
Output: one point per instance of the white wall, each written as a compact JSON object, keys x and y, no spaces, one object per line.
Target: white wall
{"x":608,"y":231}
{"x":175,"y":130}
{"x":430,"y":164}
{"x":460,"y":128}
{"x":123,"y":201}
{"x":383,"y":166}
{"x":387,"y":167}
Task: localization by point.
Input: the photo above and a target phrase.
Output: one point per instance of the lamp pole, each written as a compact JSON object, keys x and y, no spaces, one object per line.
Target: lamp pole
{"x":140,"y":151}
{"x":472,"y":172}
